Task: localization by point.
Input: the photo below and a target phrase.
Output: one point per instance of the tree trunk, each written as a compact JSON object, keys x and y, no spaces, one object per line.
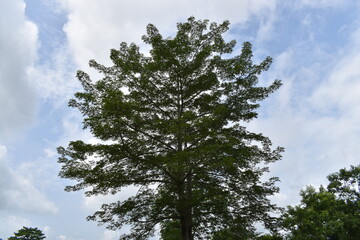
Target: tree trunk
{"x":186,"y":216}
{"x":186,"y":225}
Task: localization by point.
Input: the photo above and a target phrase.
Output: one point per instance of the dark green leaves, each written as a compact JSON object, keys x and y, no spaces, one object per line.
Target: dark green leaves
{"x":346,"y":184}
{"x":327,"y":214}
{"x":169,"y":123}
{"x":28,"y":234}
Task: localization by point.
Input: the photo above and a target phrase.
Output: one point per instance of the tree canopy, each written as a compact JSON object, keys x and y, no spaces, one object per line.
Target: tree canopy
{"x":26,"y":233}
{"x":327,"y":214}
{"x":171,"y":123}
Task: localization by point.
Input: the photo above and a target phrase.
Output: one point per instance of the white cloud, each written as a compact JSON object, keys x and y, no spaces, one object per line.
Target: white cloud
{"x":315,"y":115}
{"x":18,"y":46}
{"x":323,"y":3}
{"x":47,"y":230}
{"x":55,"y":78}
{"x":94,"y":203}
{"x":266,"y":30}
{"x":10,"y":224}
{"x":64,"y":237}
{"x":18,"y":193}
{"x":110,"y":235}
{"x":341,"y":91}
{"x":94,"y":30}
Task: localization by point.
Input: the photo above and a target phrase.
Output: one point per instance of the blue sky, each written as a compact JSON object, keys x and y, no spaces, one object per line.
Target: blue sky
{"x":315,"y":115}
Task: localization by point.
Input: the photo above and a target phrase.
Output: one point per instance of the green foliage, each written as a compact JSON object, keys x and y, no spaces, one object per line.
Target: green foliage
{"x":346,"y":184}
{"x":170,"y":124}
{"x":269,"y":237}
{"x":234,"y":233}
{"x":169,"y":230}
{"x":28,"y":234}
{"x":332,"y":214}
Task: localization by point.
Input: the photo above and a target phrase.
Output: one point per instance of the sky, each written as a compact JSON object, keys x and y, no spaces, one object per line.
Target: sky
{"x":315,"y":115}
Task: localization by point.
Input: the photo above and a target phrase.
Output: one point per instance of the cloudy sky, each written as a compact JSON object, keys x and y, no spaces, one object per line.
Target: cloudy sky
{"x":315,"y":115}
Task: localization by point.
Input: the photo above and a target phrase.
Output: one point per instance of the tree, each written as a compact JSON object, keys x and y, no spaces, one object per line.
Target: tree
{"x":332,"y":214}
{"x":346,"y":184}
{"x":170,"y":123}
{"x":314,"y":218}
{"x":28,"y":234}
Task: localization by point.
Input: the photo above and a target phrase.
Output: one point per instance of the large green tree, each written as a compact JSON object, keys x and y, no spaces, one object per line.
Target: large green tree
{"x":332,"y":214}
{"x":170,"y":123}
{"x":28,"y":234}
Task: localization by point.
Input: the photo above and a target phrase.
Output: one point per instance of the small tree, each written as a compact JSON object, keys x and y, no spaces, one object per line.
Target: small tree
{"x":171,"y":124}
{"x":28,"y":234}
